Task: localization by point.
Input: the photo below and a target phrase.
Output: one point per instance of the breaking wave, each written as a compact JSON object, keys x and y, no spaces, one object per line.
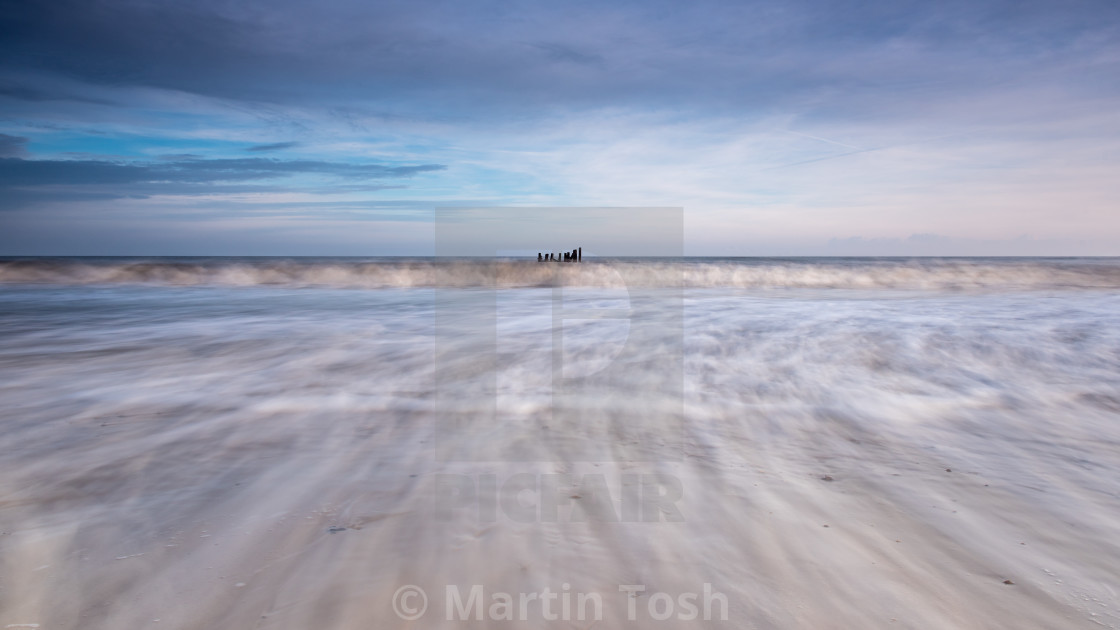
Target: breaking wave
{"x":746,"y":273}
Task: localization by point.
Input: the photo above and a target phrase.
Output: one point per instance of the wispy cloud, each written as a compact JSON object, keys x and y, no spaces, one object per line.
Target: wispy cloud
{"x":27,"y":181}
{"x":11,"y":146}
{"x":768,"y":121}
{"x":275,"y":146}
{"x":20,"y":172}
{"x":567,"y":54}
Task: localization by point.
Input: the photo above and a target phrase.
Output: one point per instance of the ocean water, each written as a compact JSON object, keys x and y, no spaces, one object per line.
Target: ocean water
{"x":825,"y":443}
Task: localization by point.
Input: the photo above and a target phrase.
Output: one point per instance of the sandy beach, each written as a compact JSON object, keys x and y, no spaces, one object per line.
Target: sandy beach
{"x":268,"y":456}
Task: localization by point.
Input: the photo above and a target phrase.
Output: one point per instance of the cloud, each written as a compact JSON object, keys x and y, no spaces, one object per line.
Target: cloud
{"x":28,"y":181}
{"x":20,"y":172}
{"x":926,"y":244}
{"x":887,"y":117}
{"x":37,"y":95}
{"x":12,"y":146}
{"x":411,"y":57}
{"x":562,"y":53}
{"x":275,"y":146}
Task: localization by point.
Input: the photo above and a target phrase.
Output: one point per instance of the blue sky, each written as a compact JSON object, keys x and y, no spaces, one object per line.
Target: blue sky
{"x":792,"y":128}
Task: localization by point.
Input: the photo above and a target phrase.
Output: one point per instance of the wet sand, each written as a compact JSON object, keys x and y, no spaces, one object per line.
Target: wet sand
{"x":204,"y":458}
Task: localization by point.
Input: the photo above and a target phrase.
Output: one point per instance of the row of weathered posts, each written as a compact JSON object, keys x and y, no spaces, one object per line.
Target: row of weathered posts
{"x":576,"y":255}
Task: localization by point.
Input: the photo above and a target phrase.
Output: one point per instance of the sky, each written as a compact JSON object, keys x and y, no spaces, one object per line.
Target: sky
{"x":135,"y":127}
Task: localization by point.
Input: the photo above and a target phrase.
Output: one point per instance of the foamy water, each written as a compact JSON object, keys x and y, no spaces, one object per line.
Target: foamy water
{"x":287,"y":443}
{"x":825,"y":273}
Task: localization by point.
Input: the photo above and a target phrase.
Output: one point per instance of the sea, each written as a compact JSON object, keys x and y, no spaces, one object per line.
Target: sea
{"x":359,"y":443}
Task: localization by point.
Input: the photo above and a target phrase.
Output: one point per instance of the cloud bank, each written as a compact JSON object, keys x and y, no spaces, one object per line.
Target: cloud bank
{"x":792,"y":126}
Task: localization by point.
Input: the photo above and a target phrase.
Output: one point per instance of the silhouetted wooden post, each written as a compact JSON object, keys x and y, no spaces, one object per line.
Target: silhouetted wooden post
{"x":580,"y":254}
{"x":539,"y":257}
